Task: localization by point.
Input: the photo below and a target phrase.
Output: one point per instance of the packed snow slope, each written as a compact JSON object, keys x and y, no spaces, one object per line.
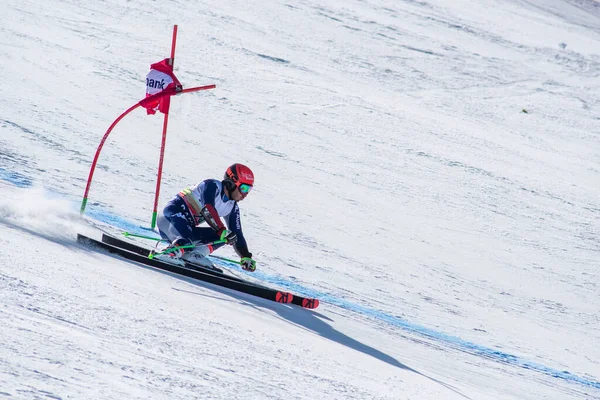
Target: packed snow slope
{"x":429,"y":169}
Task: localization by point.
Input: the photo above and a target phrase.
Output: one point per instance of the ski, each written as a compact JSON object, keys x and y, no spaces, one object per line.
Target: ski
{"x":126,"y":245}
{"x":304,"y":302}
{"x":214,"y":278}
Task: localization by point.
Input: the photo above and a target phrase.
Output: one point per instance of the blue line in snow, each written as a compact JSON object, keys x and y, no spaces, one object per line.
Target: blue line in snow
{"x":454,"y":341}
{"x":116,"y":221}
{"x":15,"y":178}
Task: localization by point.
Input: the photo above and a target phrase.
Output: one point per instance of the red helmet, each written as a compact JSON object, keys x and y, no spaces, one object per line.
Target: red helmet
{"x":238,"y":175}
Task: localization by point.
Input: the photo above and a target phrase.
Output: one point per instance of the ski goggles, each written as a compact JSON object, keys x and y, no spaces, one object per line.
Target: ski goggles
{"x":245,"y":188}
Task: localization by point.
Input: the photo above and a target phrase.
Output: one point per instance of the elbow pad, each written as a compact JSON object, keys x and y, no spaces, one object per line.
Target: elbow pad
{"x":210,"y":215}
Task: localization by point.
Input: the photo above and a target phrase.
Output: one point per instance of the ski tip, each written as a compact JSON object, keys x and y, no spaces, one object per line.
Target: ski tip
{"x":310,"y":303}
{"x":284,"y":297}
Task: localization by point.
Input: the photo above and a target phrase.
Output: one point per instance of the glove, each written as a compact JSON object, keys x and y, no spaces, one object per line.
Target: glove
{"x":228,"y":236}
{"x":248,"y":264}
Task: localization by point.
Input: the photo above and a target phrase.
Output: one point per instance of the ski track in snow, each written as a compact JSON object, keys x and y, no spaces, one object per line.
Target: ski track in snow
{"x":484,"y":133}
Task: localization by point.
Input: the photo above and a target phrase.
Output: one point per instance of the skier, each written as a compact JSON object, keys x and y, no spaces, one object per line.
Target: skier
{"x":207,"y":202}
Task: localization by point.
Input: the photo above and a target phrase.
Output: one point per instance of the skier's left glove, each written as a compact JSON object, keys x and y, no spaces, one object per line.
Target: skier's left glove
{"x":248,"y":264}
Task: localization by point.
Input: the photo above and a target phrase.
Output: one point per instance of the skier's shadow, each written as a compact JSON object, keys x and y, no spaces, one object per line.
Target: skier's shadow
{"x":309,"y":319}
{"x":317,"y":322}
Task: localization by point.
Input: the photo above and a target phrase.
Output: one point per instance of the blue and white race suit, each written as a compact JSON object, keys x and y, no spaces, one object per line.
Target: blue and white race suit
{"x":181,"y":217}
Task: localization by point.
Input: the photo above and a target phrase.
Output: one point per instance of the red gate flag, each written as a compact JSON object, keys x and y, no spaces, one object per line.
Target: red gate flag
{"x":161,"y":79}
{"x":161,"y":84}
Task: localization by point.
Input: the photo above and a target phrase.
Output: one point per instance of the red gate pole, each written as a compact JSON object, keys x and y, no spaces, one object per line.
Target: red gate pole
{"x":98,"y":150}
{"x":164,"y":138}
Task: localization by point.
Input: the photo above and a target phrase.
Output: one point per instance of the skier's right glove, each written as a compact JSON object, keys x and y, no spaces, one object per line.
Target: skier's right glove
{"x":228,"y":236}
{"x":248,"y":264}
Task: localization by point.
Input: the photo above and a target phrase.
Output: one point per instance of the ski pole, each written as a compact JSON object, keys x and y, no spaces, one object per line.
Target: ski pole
{"x":227,"y":259}
{"x":128,"y":234}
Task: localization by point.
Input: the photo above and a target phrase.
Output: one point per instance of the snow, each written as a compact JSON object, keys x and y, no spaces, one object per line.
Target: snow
{"x":429,"y":170}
